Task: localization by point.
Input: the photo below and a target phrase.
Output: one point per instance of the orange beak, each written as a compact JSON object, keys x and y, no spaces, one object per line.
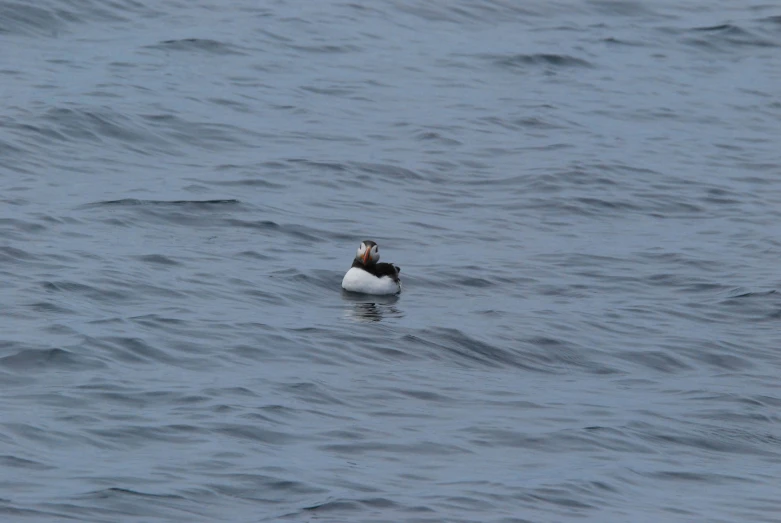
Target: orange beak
{"x":366,"y":256}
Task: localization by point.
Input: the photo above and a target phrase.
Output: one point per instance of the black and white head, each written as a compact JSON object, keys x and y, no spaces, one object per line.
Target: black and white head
{"x":368,"y":253}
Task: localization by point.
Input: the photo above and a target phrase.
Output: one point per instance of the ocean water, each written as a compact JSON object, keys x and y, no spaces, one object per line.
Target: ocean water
{"x":584,"y":198}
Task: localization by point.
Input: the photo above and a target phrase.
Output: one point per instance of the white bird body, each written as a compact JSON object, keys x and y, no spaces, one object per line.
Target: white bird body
{"x":358,"y":280}
{"x":369,"y":277}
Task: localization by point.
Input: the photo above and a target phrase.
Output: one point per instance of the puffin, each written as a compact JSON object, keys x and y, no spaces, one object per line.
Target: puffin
{"x":369,"y":277}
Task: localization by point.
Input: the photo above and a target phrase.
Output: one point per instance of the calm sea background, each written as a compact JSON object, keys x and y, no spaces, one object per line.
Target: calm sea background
{"x":584,"y":198}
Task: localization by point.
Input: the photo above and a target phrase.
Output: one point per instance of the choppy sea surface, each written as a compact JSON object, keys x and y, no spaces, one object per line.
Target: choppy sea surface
{"x":584,"y":198}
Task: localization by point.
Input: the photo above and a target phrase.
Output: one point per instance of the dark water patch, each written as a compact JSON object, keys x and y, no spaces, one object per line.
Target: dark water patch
{"x":715,"y":439}
{"x":95,"y":125}
{"x":206,"y":135}
{"x":62,"y":20}
{"x":750,"y":295}
{"x":431,"y":136}
{"x":756,"y":306}
{"x":657,"y":360}
{"x":13,"y":379}
{"x":129,"y":202}
{"x":22,"y":226}
{"x":325,"y":48}
{"x":260,"y":296}
{"x":48,"y":307}
{"x":137,"y":435}
{"x":300,"y":232}
{"x":582,"y":206}
{"x":329,"y":91}
{"x":248,"y":182}
{"x":459,"y":280}
{"x":721,"y":355}
{"x":774,"y":22}
{"x":21,"y":18}
{"x":254,"y":255}
{"x":257,"y":352}
{"x":703,"y":286}
{"x":325,"y":279}
{"x":12,"y":254}
{"x":256,"y":434}
{"x":134,"y":350}
{"x":311,"y":393}
{"x":21,"y":463}
{"x":425,"y":395}
{"x":36,"y":359}
{"x":158,"y":259}
{"x":522,"y":62}
{"x":198,"y":45}
{"x":627,"y":8}
{"x":689,"y":477}
{"x":350,"y":505}
{"x":466,"y":14}
{"x":331,"y":166}
{"x":726,"y":37}
{"x":722,"y":28}
{"x":562,"y":355}
{"x":549,"y":182}
{"x":583,"y":439}
{"x":533,"y":122}
{"x":118,"y":491}
{"x":599,"y":205}
{"x":91,"y":292}
{"x":188,"y":213}
{"x":45,"y":515}
{"x":244,"y":485}
{"x":423,"y":448}
{"x":386,"y":172}
{"x":455,"y":347}
{"x":612,"y":40}
{"x":122,"y":502}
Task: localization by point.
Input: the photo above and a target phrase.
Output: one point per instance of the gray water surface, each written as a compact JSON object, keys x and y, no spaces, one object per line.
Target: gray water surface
{"x":584,"y":198}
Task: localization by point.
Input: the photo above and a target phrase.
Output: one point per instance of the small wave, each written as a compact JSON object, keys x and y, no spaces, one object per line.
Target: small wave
{"x":131,"y":202}
{"x":21,"y":463}
{"x":515,"y":125}
{"x":296,"y":231}
{"x":654,"y":359}
{"x":759,"y":306}
{"x":724,"y":37}
{"x":523,"y":61}
{"x":51,"y":308}
{"x":198,"y":45}
{"x":431,"y":136}
{"x":393,"y":172}
{"x":326,"y":48}
{"x":12,"y":254}
{"x":117,"y":491}
{"x":351,"y":505}
{"x":536,"y":354}
{"x":134,"y":350}
{"x":246,"y":182}
{"x":206,"y":135}
{"x":39,"y":359}
{"x":158,"y":259}
{"x":88,"y":291}
{"x":622,"y":8}
{"x":329,"y":91}
{"x":24,"y":19}
{"x":95,"y":125}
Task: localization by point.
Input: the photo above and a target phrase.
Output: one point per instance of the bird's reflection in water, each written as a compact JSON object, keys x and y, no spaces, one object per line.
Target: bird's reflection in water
{"x":364,"y":308}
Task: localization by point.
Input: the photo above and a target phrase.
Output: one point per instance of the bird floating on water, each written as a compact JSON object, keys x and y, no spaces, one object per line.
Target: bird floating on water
{"x":369,"y":277}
